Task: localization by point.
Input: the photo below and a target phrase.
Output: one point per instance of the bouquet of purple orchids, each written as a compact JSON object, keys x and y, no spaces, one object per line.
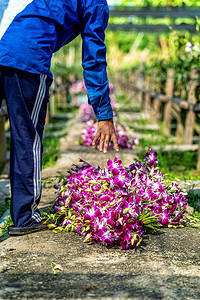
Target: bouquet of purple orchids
{"x":116,"y":205}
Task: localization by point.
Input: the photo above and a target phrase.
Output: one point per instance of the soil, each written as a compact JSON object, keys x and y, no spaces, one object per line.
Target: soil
{"x":164,"y":266}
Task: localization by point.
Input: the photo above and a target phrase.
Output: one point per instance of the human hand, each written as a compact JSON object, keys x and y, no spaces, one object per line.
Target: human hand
{"x":106,"y":132}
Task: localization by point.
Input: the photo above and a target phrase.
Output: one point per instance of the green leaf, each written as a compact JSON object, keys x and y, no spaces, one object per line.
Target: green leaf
{"x":60,"y":228}
{"x":87,"y":238}
{"x":125,"y":211}
{"x":88,"y":228}
{"x":138,"y":243}
{"x":120,"y":220}
{"x":132,"y":241}
{"x":51,"y":226}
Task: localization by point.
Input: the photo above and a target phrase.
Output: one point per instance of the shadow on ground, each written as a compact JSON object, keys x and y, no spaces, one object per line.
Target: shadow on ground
{"x":98,"y":285}
{"x":166,"y":266}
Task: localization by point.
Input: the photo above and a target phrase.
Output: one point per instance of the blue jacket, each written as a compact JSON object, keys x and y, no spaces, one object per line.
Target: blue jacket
{"x":32,"y":30}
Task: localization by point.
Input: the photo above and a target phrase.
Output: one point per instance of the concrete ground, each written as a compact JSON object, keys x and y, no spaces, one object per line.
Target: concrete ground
{"x":164,"y":266}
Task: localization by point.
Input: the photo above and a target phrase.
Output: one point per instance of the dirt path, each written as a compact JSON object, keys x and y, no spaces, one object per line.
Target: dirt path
{"x":165,"y":266}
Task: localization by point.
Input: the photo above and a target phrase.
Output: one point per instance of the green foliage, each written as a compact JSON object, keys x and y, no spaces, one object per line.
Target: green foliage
{"x":4,"y":207}
{"x":155,"y":140}
{"x":8,"y":221}
{"x":2,"y":167}
{"x":4,"y":228}
{"x":157,"y":2}
{"x":183,"y":54}
{"x":51,"y":153}
{"x":181,"y":165}
{"x":64,"y":72}
{"x":68,"y":109}
{"x":67,"y":67}
{"x":125,"y":40}
{"x":194,"y":201}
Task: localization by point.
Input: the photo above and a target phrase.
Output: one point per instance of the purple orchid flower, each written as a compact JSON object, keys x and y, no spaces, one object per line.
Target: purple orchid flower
{"x":115,"y":204}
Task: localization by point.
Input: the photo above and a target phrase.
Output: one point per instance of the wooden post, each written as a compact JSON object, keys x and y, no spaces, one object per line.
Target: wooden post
{"x":52,"y":108}
{"x":147,"y":99}
{"x":140,"y":83}
{"x":131,"y":91}
{"x":155,"y":111}
{"x":156,"y":108}
{"x":180,"y":126}
{"x":47,"y":115}
{"x":58,"y":81}
{"x":190,"y":117}
{"x":2,"y":142}
{"x":198,"y":158}
{"x":71,"y":56}
{"x":169,"y":91}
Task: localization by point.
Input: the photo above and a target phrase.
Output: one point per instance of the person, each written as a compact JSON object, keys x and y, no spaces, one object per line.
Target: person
{"x":30,"y":32}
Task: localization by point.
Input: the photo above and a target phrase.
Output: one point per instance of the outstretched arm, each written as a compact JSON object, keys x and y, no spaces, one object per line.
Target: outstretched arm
{"x":95,"y":20}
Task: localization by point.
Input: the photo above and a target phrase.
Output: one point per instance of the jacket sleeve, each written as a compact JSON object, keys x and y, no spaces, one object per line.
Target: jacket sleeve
{"x":95,"y":21}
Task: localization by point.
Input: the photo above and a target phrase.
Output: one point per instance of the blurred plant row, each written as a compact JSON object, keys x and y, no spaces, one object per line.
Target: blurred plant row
{"x":153,"y":54}
{"x":181,"y":54}
{"x":157,"y":2}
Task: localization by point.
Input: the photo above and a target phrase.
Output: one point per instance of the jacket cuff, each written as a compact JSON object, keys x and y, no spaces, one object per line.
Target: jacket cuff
{"x":104,"y":112}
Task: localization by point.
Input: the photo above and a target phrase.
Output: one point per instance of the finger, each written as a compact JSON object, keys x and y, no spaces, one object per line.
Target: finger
{"x":115,"y":142}
{"x":102,"y":140}
{"x":106,"y":143}
{"x":96,"y":138}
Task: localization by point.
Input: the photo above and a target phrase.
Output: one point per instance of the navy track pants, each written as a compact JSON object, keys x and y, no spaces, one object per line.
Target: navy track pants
{"x":26,"y":96}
